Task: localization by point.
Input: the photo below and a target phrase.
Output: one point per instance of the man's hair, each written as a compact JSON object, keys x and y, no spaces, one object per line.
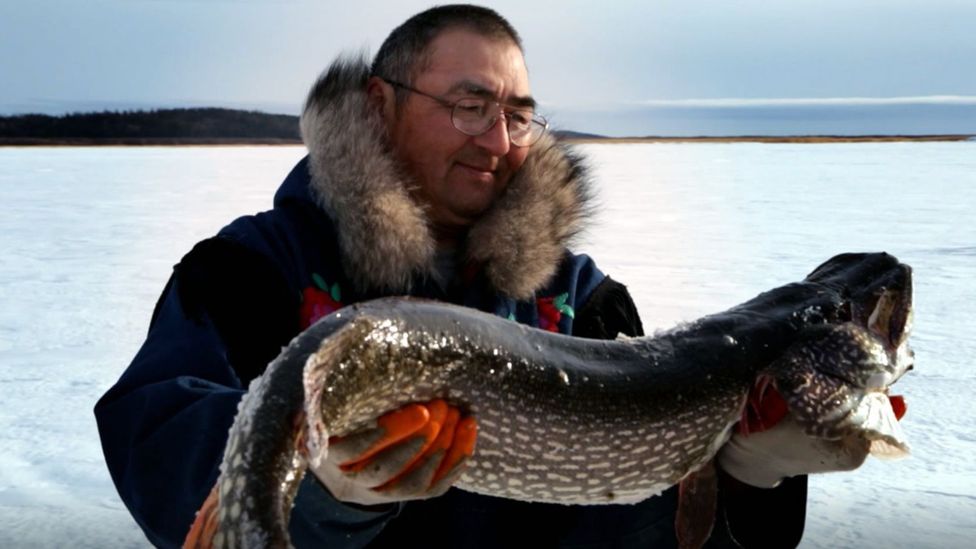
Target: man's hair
{"x":405,"y":52}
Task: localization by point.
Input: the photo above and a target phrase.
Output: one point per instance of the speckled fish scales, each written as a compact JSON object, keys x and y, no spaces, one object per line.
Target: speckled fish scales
{"x":562,"y":419}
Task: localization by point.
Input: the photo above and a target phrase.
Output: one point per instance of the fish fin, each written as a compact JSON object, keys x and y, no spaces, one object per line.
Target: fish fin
{"x":204,"y":527}
{"x":697,"y":502}
{"x":764,"y":407}
{"x":898,"y":405}
{"x":882,"y":449}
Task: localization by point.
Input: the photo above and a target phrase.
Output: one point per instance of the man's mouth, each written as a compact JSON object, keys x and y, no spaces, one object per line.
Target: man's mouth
{"x":484,"y":171}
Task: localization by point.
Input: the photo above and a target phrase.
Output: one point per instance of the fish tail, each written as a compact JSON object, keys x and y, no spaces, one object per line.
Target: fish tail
{"x":697,"y":503}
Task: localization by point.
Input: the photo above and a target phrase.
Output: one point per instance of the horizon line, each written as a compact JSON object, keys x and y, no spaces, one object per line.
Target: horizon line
{"x":48,"y":106}
{"x":733,"y":102}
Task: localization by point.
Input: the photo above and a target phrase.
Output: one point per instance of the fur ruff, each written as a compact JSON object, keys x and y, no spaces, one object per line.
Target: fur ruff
{"x":384,"y":236}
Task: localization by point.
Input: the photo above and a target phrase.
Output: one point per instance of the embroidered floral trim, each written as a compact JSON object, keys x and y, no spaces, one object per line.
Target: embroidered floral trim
{"x":551,"y":311}
{"x":319,"y":300}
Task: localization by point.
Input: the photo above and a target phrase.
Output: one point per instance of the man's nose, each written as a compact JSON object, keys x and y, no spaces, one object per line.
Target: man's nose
{"x":495,"y":140}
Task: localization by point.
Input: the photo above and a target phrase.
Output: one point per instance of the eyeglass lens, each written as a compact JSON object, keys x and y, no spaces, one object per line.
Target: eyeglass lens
{"x":477,"y":116}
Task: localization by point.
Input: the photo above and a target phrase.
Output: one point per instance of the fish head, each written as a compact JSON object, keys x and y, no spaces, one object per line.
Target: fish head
{"x":836,"y":377}
{"x":879,"y":316}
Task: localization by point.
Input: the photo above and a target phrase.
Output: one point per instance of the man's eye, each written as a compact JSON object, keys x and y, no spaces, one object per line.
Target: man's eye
{"x":472,"y":108}
{"x":520,"y":118}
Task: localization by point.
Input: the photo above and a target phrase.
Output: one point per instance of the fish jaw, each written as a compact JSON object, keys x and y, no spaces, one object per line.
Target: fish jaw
{"x":891,"y":320}
{"x":888,"y":313}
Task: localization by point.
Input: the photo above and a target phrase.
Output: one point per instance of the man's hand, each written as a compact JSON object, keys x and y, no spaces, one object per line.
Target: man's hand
{"x":764,"y":459}
{"x":415,"y":452}
{"x":769,"y":445}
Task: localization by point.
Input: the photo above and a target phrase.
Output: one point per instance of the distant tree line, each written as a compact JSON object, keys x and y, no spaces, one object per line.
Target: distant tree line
{"x":206,"y":123}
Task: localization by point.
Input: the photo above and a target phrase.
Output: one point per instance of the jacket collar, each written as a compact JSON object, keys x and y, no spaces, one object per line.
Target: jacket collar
{"x":384,"y":237}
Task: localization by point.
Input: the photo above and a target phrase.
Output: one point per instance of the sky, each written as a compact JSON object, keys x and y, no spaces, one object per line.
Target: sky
{"x":605,"y":67}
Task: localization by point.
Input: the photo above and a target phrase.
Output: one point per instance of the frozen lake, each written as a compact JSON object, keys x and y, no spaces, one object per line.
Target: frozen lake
{"x":88,"y":237}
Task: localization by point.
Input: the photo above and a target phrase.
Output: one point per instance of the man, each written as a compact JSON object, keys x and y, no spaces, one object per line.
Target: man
{"x":429,"y":174}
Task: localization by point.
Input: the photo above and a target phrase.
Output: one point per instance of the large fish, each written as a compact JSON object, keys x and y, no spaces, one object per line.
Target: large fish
{"x":563,"y":419}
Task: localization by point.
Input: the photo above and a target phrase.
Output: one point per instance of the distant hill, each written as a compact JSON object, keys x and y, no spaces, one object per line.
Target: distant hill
{"x":570,"y":135}
{"x":209,"y":125}
{"x":165,"y":126}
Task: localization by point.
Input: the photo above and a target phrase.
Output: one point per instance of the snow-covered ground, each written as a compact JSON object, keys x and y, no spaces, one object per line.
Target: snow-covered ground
{"x":88,"y":238}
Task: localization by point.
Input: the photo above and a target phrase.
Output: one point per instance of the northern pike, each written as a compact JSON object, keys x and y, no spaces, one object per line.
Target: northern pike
{"x":571,"y":420}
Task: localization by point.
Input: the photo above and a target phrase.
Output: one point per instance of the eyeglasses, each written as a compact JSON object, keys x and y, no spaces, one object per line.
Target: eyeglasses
{"x":475,"y":116}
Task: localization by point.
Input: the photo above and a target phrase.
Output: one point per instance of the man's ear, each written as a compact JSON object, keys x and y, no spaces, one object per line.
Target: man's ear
{"x":380,"y":96}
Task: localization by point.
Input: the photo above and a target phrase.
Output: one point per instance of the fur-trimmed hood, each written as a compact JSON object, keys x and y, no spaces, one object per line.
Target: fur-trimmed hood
{"x":384,"y":235}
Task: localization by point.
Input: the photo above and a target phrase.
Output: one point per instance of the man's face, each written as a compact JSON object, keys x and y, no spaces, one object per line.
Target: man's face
{"x":459,"y":176}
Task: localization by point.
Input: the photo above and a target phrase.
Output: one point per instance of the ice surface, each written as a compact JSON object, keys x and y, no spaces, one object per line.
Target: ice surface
{"x":88,"y":239}
{"x":694,"y":229}
{"x":89,"y":236}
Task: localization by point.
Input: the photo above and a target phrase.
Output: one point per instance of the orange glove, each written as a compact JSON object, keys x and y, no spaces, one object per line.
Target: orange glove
{"x":415,"y":452}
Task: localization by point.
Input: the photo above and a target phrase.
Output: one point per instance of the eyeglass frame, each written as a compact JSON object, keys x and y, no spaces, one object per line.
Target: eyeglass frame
{"x":535,"y":118}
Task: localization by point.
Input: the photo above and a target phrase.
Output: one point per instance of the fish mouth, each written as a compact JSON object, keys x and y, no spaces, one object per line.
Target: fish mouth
{"x":888,"y":315}
{"x":891,"y":313}
{"x":877,"y":294}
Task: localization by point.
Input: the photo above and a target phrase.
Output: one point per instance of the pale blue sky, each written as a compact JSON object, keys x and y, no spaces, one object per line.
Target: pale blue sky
{"x":583,"y":56}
